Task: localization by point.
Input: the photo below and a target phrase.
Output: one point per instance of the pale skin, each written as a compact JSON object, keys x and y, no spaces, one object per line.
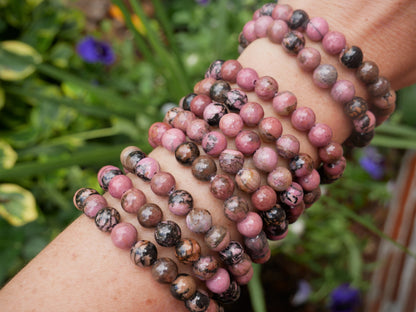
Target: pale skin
{"x":81,"y":270}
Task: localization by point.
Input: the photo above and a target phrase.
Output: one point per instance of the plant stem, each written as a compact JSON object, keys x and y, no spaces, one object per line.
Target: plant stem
{"x":256,"y":290}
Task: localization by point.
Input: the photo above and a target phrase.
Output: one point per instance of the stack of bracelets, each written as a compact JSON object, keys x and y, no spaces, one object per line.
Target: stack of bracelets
{"x":262,"y":208}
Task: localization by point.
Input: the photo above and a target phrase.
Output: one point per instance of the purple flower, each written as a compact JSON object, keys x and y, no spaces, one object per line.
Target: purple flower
{"x":344,"y":299}
{"x":92,"y":50}
{"x":373,"y":162}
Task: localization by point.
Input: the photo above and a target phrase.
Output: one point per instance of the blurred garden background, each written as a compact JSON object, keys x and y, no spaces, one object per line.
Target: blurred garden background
{"x":80,"y":80}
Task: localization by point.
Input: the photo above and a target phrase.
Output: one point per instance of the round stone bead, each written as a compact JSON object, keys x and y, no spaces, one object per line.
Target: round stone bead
{"x":231,"y":161}
{"x":257,"y":247}
{"x":385,"y":104}
{"x":249,"y":31}
{"x":214,"y":143}
{"x":131,"y":155}
{"x":214,"y":112}
{"x":352,"y":57}
{"x":310,"y":197}
{"x":172,"y":138}
{"x":303,"y":118}
{"x":246,"y":278}
{"x":203,"y":86}
{"x":182,"y":120}
{"x":266,"y":87}
{"x":261,"y":25}
{"x":251,"y":226}
{"x":343,"y":91}
{"x":356,"y":108}
{"x":199,"y":220}
{"x":199,"y":302}
{"x":231,"y":295}
{"x":365,"y":124}
{"x":251,"y":113}
{"x":287,"y":146}
{"x":167,"y":233}
{"x":229,"y":70}
{"x":124,"y":235}
{"x":236,"y":98}
{"x":236,"y":208}
{"x":187,"y":250}
{"x":361,"y":139}
{"x":197,"y":129}
{"x":264,"y":198}
{"x":205,"y":267}
{"x":81,"y":195}
{"x":320,"y":135}
{"x":248,"y":180}
{"x":186,"y":153}
{"x":284,"y":103}
{"x":277,"y":30}
{"x":219,"y":90}
{"x":149,"y":215}
{"x":183,"y":287}
{"x":333,"y":42}
{"x":231,"y":124}
{"x":171,"y":114}
{"x":294,"y":212}
{"x":232,"y":254}
{"x":217,"y":238}
{"x":219,"y":282}
{"x":379,"y":88}
{"x":164,"y":270}
{"x":105,"y":175}
{"x":279,"y":179}
{"x":180,"y":202}
{"x":301,"y":165}
{"x":246,"y":78}
{"x":247,"y":142}
{"x":186,"y":101}
{"x":222,"y":186}
{"x":270,"y":129}
{"x":282,"y":12}
{"x":267,"y":9}
{"x":242,"y":267}
{"x":204,"y":168}
{"x":298,"y":20}
{"x":199,"y":103}
{"x":308,"y":59}
{"x":277,"y":232}
{"x":335,"y":169}
{"x":143,"y":253}
{"x":325,"y":76}
{"x":367,"y":72}
{"x":132,"y":200}
{"x":310,"y":181}
{"x":265,"y":159}
{"x":107,"y":218}
{"x":147,"y":168}
{"x":293,"y":195}
{"x":330,"y":152}
{"x":317,"y":28}
{"x":214,"y":70}
{"x":93,"y":204}
{"x":119,"y":185}
{"x":293,"y":42}
{"x":276,"y":215}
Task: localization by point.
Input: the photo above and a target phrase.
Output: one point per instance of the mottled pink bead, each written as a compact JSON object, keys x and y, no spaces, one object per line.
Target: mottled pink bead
{"x":325,"y":76}
{"x":246,"y":278}
{"x":222,"y":186}
{"x":172,"y":138}
{"x":182,"y":120}
{"x":105,"y":174}
{"x":236,"y":98}
{"x":320,"y":135}
{"x":248,"y":180}
{"x":284,"y":103}
{"x":231,"y":161}
{"x":251,"y":226}
{"x":230,"y":69}
{"x":251,"y":113}
{"x":334,"y":42}
{"x":147,"y":168}
{"x":279,"y":179}
{"x":287,"y":146}
{"x":124,"y":235}
{"x":256,"y":14}
{"x":317,"y":28}
{"x":261,"y":25}
{"x":277,"y":30}
{"x":335,"y":169}
{"x":365,"y":124}
{"x":308,"y":59}
{"x":242,"y":267}
{"x":156,"y":132}
{"x":118,"y":185}
{"x":214,"y":143}
{"x":171,"y":114}
{"x":204,"y":86}
{"x":197,"y":129}
{"x":303,"y":118}
{"x":199,"y":220}
{"x":247,"y":142}
{"x":264,"y":198}
{"x":220,"y":282}
{"x":343,"y":91}
{"x":246,"y":78}
{"x":162,"y":183}
{"x":132,"y":200}
{"x":249,"y":31}
{"x":214,"y":112}
{"x":294,"y":212}
{"x":330,"y":152}
{"x":93,"y":204}
{"x":282,"y":12}
{"x":310,"y":181}
{"x":266,"y":87}
{"x":270,"y":129}
{"x":231,"y":124}
{"x":293,"y":195}
{"x":265,"y":159}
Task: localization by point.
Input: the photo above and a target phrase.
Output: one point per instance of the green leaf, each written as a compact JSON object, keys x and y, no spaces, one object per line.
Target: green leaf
{"x":8,"y":156}
{"x":17,"y":205}
{"x":2,"y":98}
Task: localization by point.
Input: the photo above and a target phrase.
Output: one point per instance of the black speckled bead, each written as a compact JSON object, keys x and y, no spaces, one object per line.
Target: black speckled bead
{"x":301,"y":165}
{"x":205,"y":267}
{"x":298,"y":20}
{"x":183,"y":287}
{"x":243,"y":43}
{"x":186,"y":153}
{"x":167,"y":233}
{"x":367,"y":72}
{"x":274,"y":216}
{"x":214,"y":70}
{"x":187,"y":250}
{"x":180,"y":202}
{"x":107,"y":176}
{"x":199,"y":302}
{"x":276,"y":231}
{"x":186,"y":102}
{"x":257,"y":247}
{"x":164,"y":270}
{"x":129,"y":159}
{"x":293,"y":42}
{"x":379,"y":88}
{"x":81,"y":195}
{"x":267,"y":9}
{"x":149,"y":215}
{"x":236,"y":98}
{"x":232,"y":254}
{"x":356,"y":108}
{"x":361,"y":139}
{"x":219,"y":90}
{"x":352,"y":57}
{"x":143,"y":253}
{"x":204,"y":168}
{"x":231,"y":295}
{"x":214,"y":112}
{"x":107,"y":218}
